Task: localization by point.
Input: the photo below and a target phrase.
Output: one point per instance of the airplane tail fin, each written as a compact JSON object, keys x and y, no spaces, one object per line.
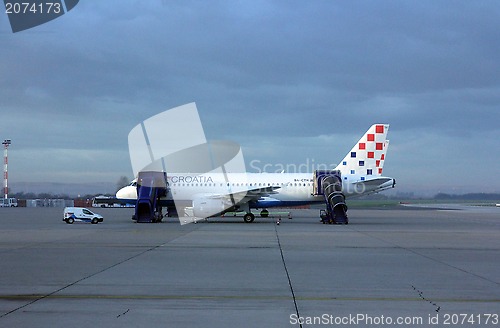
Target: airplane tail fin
{"x":366,"y":158}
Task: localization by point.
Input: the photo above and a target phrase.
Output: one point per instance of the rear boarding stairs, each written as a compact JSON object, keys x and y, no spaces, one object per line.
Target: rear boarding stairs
{"x":329,"y":184}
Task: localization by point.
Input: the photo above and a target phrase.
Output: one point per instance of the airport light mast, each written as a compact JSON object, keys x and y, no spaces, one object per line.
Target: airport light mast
{"x":6,"y":143}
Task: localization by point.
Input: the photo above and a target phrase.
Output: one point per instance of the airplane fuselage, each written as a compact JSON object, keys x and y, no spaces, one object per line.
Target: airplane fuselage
{"x":292,"y":189}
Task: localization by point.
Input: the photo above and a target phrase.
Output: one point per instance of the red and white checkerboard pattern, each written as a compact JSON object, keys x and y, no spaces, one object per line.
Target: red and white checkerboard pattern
{"x":367,"y":157}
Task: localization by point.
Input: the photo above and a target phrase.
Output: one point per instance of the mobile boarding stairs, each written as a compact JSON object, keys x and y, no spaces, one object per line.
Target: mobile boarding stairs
{"x":151,"y":186}
{"x":329,"y":184}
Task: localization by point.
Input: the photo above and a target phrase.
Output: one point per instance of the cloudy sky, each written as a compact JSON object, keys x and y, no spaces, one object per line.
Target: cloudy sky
{"x":292,"y":81}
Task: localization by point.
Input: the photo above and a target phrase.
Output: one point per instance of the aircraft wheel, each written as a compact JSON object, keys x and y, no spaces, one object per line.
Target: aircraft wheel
{"x":264,"y":213}
{"x":248,"y":218}
{"x":70,"y":221}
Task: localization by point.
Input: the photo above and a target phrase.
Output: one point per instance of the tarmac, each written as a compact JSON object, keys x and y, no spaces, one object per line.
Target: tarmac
{"x":399,"y":267}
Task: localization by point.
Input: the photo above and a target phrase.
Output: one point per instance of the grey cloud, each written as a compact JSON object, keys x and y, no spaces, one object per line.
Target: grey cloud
{"x":258,"y":71}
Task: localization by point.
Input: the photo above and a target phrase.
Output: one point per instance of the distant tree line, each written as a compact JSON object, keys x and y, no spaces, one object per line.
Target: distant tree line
{"x":122,"y":182}
{"x":439,"y":196}
{"x":470,"y":196}
{"x":48,"y":195}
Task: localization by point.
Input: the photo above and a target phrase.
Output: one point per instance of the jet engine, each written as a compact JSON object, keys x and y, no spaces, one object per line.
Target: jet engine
{"x":205,"y":206}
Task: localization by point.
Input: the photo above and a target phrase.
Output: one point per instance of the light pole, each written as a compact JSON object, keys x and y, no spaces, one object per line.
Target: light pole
{"x":6,"y":143}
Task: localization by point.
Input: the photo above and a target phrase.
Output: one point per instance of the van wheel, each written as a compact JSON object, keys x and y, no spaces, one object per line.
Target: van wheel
{"x":70,"y":221}
{"x":94,"y":221}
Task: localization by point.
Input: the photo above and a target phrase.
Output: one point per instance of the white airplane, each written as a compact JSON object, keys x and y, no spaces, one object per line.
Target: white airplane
{"x":209,"y":194}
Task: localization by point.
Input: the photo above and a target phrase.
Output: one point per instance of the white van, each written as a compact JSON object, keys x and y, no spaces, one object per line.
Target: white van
{"x":80,"y":214}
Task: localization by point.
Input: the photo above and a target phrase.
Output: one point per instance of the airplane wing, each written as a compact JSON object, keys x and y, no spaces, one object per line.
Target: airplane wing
{"x":246,"y":196}
{"x":255,"y":194}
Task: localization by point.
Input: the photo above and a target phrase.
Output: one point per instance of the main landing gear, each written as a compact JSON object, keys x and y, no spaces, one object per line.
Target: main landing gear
{"x":248,"y":218}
